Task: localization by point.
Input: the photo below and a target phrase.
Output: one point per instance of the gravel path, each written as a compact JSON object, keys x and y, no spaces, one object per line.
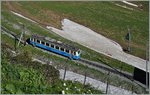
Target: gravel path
{"x":87,"y":37}
{"x":94,"y":83}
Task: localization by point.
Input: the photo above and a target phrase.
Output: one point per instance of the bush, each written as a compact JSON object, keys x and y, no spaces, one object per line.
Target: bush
{"x":31,"y":77}
{"x":25,"y":58}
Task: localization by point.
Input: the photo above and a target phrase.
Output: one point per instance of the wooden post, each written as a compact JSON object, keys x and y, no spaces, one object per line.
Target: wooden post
{"x":107,"y":82}
{"x":129,"y":49}
{"x":86,"y":71}
{"x":66,"y":67}
{"x":84,"y":79}
{"x":132,"y":87}
{"x":64,"y":73}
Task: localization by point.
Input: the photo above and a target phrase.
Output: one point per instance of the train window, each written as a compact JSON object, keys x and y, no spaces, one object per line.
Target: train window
{"x":52,"y":46}
{"x":74,"y":53}
{"x":62,"y":49}
{"x":47,"y":44}
{"x":57,"y":47}
{"x":67,"y":51}
{"x":38,"y":41}
{"x":71,"y":52}
{"x":43,"y":43}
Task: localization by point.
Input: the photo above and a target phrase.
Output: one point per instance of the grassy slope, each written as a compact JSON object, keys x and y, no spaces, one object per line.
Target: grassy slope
{"x":20,"y":78}
{"x":37,"y":30}
{"x":103,"y":17}
{"x":114,"y":80}
{"x":79,"y":68}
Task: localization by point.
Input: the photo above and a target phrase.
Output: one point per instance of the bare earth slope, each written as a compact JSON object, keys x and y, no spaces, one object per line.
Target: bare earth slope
{"x":85,"y":36}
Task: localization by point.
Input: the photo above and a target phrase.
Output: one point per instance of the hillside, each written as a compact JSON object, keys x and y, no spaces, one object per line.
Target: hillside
{"x":21,"y":75}
{"x":50,"y":16}
{"x":103,"y":17}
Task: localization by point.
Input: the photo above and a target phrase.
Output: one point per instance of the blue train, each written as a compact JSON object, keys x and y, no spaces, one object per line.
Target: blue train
{"x":55,"y":46}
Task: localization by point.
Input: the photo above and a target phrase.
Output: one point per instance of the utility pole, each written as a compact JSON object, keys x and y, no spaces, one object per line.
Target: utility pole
{"x":22,"y":34}
{"x":147,"y":54}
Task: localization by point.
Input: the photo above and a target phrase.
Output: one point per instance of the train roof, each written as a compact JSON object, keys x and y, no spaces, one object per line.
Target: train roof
{"x":58,"y":43}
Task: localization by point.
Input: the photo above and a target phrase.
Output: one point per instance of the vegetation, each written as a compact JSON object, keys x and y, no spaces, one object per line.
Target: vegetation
{"x":22,"y":76}
{"x":71,"y":65}
{"x":103,"y":17}
{"x":9,"y":20}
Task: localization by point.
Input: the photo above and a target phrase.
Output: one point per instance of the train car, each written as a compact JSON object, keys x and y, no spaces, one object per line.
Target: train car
{"x":55,"y":46}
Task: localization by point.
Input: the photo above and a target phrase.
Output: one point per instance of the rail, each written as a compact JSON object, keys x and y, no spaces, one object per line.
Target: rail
{"x":91,"y":63}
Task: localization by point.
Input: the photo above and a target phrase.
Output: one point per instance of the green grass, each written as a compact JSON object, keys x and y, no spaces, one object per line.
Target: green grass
{"x":103,"y":17}
{"x":72,"y":66}
{"x":23,"y":76}
{"x":37,"y":30}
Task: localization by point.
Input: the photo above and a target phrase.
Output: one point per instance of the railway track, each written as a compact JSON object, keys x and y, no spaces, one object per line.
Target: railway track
{"x":107,"y":68}
{"x":82,"y":60}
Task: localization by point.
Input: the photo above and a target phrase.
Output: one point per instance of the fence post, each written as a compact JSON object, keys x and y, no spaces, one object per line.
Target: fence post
{"x":84,"y":79}
{"x":64,"y":73}
{"x":107,"y":82}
